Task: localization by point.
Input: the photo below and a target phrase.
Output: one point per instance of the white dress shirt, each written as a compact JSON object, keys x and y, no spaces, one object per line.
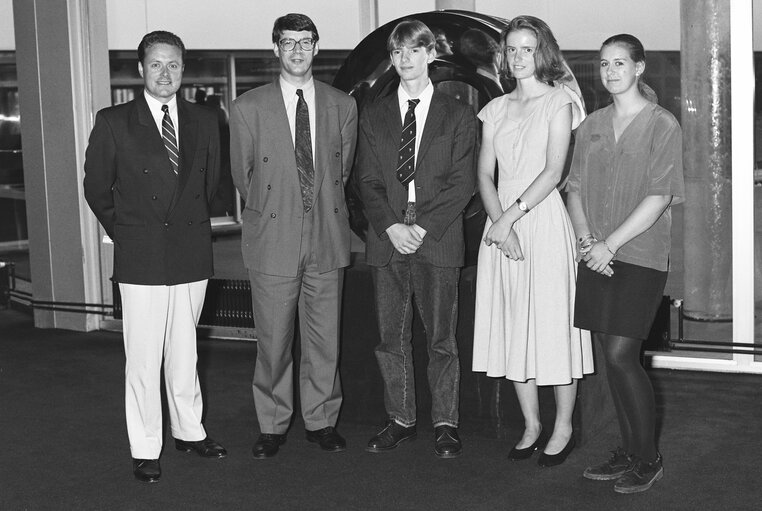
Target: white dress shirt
{"x":154,"y":105}
{"x":291,"y":99}
{"x":421,"y":112}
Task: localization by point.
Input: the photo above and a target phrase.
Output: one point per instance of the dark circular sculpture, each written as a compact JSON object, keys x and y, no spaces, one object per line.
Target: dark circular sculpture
{"x":459,"y":70}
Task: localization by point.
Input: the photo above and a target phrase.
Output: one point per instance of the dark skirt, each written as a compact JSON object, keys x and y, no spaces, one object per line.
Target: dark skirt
{"x":624,"y":304}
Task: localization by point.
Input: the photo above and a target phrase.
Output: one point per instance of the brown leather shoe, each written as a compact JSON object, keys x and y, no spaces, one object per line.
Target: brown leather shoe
{"x":267,"y":445}
{"x":390,"y":437}
{"x":206,"y":448}
{"x":146,"y":471}
{"x":447,"y":442}
{"x":328,"y":439}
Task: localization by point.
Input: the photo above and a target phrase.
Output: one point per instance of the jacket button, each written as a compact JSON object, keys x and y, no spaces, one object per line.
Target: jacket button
{"x":265,"y":159}
{"x":190,"y":223}
{"x":154,"y":197}
{"x":145,"y":171}
{"x":335,"y":210}
{"x":336,"y":182}
{"x":166,"y":224}
{"x":201,"y":170}
{"x":269,"y":187}
{"x":338,"y":154}
{"x":272,"y":215}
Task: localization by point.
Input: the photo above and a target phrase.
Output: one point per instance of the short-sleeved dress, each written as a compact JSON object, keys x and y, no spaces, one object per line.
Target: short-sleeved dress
{"x":524,"y":309}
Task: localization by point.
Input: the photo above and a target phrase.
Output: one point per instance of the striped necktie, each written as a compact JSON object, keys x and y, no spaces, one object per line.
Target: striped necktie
{"x":406,"y":160}
{"x":170,"y":140}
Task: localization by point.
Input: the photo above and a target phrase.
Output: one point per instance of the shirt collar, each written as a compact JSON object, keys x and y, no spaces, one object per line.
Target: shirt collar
{"x":154,"y":104}
{"x":289,"y":90}
{"x":424,"y":96}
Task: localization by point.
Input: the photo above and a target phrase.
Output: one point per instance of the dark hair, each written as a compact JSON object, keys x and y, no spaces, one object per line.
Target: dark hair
{"x":638,"y":54}
{"x":478,"y":47}
{"x":548,"y":60}
{"x":411,"y":33}
{"x":159,"y":37}
{"x":296,"y":22}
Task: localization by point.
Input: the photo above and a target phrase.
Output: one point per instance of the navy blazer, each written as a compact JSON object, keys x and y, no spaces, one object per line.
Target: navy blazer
{"x":159,"y":222}
{"x":445,"y":177}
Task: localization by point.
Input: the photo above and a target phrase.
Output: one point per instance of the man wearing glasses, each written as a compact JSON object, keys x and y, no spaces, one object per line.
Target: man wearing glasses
{"x":292,"y":146}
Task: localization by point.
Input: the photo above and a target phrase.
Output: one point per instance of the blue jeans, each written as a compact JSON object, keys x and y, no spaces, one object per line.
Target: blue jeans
{"x":436,"y":296}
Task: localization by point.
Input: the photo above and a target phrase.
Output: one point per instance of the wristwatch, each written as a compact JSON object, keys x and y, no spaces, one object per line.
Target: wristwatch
{"x":522,"y":205}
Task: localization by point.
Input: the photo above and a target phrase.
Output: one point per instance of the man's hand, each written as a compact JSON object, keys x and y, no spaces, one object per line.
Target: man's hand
{"x":404,"y":238}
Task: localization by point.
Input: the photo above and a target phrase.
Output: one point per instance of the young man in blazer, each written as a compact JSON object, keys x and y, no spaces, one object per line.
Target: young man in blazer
{"x":416,"y":174}
{"x":292,"y":146}
{"x":151,"y":169}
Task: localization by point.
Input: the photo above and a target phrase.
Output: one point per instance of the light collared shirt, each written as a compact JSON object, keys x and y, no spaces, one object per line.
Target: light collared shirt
{"x":421,"y":112}
{"x":154,"y":105}
{"x":291,"y":99}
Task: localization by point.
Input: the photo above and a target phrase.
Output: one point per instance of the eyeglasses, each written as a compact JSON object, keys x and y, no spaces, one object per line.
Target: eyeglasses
{"x":290,"y":44}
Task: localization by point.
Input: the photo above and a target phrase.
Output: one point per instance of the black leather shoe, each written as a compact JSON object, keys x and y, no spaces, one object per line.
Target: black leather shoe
{"x":390,"y":437}
{"x":206,"y":448}
{"x":146,"y":471}
{"x":526,"y":453}
{"x":446,"y":442}
{"x":328,"y":438}
{"x":267,"y":445}
{"x":551,"y":460}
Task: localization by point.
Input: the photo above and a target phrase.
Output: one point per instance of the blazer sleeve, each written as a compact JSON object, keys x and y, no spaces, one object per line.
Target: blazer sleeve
{"x":241,"y":151}
{"x":100,"y":172}
{"x":369,"y":178}
{"x":461,"y":182}
{"x":349,"y":139}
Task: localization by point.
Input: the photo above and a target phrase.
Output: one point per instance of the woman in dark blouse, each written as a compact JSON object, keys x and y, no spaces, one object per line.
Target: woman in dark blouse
{"x":626,"y":172}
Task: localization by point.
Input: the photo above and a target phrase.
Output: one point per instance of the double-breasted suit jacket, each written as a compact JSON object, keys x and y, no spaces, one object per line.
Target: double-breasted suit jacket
{"x":445,"y":177}
{"x":263,"y":166}
{"x":159,"y":222}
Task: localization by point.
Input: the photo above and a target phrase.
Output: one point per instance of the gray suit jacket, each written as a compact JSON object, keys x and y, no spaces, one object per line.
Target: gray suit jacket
{"x":263,"y":166}
{"x":445,"y":177}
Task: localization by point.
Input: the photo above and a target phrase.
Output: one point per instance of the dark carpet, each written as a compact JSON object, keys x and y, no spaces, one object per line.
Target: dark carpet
{"x":64,"y":445}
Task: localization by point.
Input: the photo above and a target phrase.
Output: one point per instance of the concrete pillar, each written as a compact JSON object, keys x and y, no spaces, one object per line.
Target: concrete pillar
{"x":705,"y":70}
{"x":63,"y":77}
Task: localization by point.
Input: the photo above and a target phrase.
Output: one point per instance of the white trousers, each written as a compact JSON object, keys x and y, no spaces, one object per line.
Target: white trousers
{"x":160,"y":322}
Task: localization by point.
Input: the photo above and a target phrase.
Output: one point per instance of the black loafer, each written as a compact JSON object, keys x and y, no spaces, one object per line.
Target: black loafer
{"x":206,"y":448}
{"x":328,"y":439}
{"x":551,"y":460}
{"x":146,"y":471}
{"x":267,"y":445}
{"x":446,"y":442}
{"x":390,"y":437}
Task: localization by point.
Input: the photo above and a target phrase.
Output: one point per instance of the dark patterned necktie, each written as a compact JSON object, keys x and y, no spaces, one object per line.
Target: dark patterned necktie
{"x":303,"y":149}
{"x":406,"y":160}
{"x":170,"y":140}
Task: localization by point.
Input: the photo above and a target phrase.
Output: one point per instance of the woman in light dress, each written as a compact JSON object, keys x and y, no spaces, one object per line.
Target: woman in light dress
{"x":526,"y":270}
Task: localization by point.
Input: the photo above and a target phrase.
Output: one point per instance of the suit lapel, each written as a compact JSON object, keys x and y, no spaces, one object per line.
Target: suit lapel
{"x":155,"y":147}
{"x":322,"y":112}
{"x":434,"y":118}
{"x":188,"y":132}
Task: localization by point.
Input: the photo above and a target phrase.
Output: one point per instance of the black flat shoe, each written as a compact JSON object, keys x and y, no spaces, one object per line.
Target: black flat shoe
{"x":526,"y":453}
{"x":447,"y":444}
{"x":551,"y":460}
{"x":267,"y":445}
{"x":146,"y":471}
{"x":328,"y":439}
{"x":390,"y":437}
{"x":206,"y":448}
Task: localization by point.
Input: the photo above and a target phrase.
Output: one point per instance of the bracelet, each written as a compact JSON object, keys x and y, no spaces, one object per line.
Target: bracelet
{"x":609,"y":248}
{"x":586,"y":241}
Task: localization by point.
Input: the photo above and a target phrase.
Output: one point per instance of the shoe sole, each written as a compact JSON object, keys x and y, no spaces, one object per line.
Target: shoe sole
{"x":638,"y":489}
{"x":448,"y":455}
{"x":603,"y":477}
{"x":376,"y":450}
{"x":335,"y":449}
{"x":190,"y":449}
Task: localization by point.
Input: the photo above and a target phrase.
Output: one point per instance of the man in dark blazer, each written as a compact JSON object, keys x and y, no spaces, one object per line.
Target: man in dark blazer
{"x":150,"y":172}
{"x":292,"y":146}
{"x":415,"y":162}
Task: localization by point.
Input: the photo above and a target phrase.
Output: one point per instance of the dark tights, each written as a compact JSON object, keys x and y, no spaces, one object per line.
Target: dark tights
{"x":632,"y":393}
